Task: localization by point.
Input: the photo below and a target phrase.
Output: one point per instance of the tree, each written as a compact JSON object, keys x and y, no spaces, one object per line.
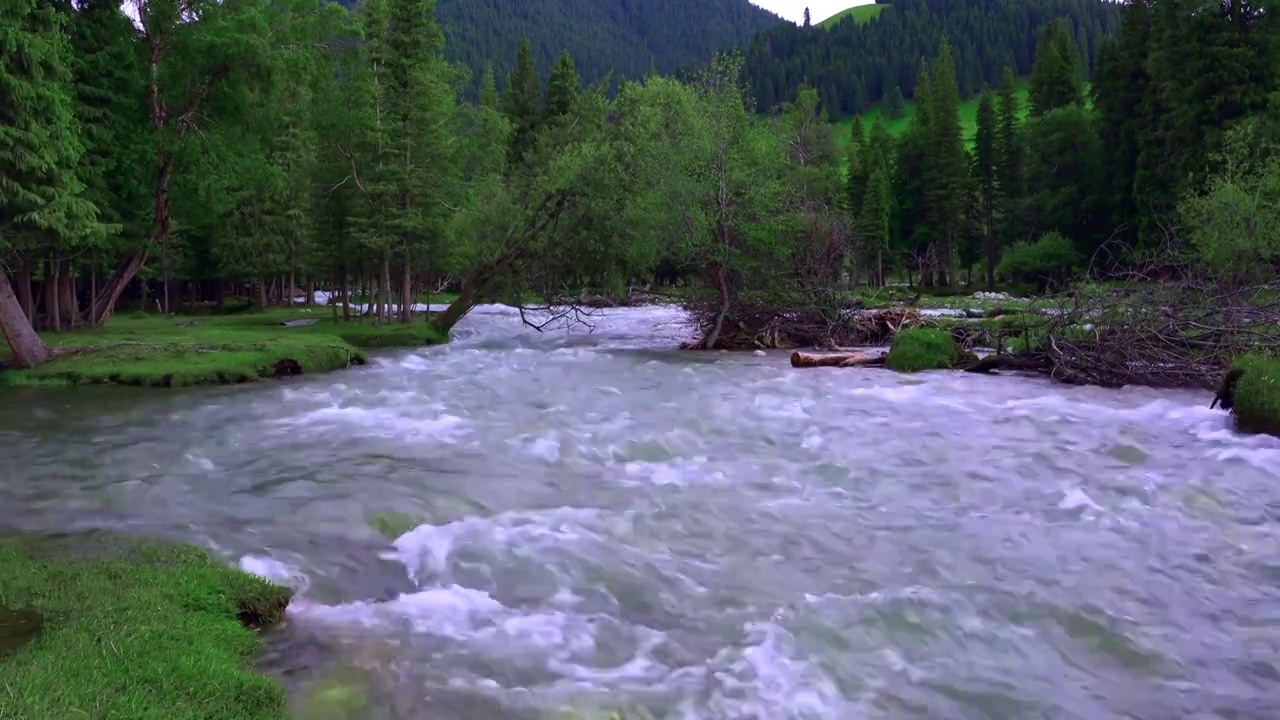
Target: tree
{"x":563,"y":86}
{"x":522,"y":103}
{"x":488,"y":88}
{"x":947,"y":176}
{"x":41,"y":198}
{"x":876,"y":206}
{"x":806,"y":19}
{"x":857,"y":166}
{"x":1055,"y":79}
{"x":895,"y":106}
{"x":984,"y":174}
{"x":1009,"y":158}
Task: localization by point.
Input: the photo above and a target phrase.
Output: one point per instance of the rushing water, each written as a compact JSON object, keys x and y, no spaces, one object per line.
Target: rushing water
{"x":611,"y":525}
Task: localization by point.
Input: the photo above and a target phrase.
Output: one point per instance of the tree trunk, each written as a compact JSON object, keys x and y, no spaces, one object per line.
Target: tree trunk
{"x":458,"y":309}
{"x":53,"y":293}
{"x":25,"y":298}
{"x":386,"y":288}
{"x":344,"y":292}
{"x":70,"y":302}
{"x":293,"y":278}
{"x":714,"y":335}
{"x":844,"y":359}
{"x":406,"y":293}
{"x":311,"y":292}
{"x":93,"y":297}
{"x":262,"y":292}
{"x":28,"y":349}
{"x":120,"y":279}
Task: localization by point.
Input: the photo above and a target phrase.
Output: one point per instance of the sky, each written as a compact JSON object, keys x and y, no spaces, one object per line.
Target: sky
{"x":819,"y":10}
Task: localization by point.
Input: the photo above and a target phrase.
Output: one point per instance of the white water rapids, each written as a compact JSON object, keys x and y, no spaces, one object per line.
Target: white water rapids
{"x":608,"y":525}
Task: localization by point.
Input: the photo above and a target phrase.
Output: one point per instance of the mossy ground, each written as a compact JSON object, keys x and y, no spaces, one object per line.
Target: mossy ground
{"x":139,"y":630}
{"x":916,"y":349}
{"x":153,"y":350}
{"x":1256,"y":395}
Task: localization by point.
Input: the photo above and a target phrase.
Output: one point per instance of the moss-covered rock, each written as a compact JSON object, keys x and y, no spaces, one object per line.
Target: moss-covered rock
{"x":1251,"y":390}
{"x":916,"y":349}
{"x":135,"y":630}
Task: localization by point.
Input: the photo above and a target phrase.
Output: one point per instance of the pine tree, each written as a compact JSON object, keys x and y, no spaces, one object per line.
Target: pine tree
{"x":876,"y":208}
{"x":896,"y":105}
{"x":563,"y":86}
{"x":1009,"y":159}
{"x":488,"y":88}
{"x":806,"y":19}
{"x":41,"y":197}
{"x":984,"y":173}
{"x":1055,"y":77}
{"x":947,"y":175}
{"x":523,"y":102}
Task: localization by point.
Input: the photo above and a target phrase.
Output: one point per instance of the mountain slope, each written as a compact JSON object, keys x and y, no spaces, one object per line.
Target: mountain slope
{"x":855,"y":64}
{"x":861,"y":14}
{"x":622,"y":36}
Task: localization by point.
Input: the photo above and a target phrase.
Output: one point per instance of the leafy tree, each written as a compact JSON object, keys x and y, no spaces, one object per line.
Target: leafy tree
{"x":1047,"y":261}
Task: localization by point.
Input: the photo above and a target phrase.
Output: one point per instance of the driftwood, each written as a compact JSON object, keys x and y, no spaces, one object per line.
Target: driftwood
{"x":846,"y":359}
{"x":1017,"y":363}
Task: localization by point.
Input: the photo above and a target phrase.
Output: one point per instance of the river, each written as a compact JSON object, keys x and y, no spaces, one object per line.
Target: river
{"x":609,"y":524}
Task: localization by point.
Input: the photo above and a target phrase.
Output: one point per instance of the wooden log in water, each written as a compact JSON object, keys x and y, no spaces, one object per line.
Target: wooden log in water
{"x":847,"y":359}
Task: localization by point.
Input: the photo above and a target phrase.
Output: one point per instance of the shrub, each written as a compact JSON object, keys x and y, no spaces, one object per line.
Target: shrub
{"x":1254,"y":397}
{"x":1046,"y":261}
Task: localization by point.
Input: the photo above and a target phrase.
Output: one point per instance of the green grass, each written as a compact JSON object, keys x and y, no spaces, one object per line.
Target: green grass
{"x":136,"y":631}
{"x":916,"y":349}
{"x":153,"y":350}
{"x":861,"y":14}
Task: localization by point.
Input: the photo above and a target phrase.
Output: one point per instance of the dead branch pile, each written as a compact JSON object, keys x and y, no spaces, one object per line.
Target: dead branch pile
{"x":1174,"y":334}
{"x":757,"y":325}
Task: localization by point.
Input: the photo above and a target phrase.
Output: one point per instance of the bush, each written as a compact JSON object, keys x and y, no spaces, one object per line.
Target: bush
{"x":916,"y":349}
{"x":1047,"y":260}
{"x":1254,"y":395}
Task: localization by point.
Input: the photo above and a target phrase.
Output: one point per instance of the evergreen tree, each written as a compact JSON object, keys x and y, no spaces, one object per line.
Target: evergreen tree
{"x":41,"y":198}
{"x":1055,"y":78}
{"x":1009,"y":158}
{"x":947,"y":176}
{"x":806,"y":19}
{"x":876,"y":208}
{"x":563,"y":87}
{"x":488,"y":88}
{"x":522,"y":103}
{"x":896,"y":105}
{"x":984,"y":174}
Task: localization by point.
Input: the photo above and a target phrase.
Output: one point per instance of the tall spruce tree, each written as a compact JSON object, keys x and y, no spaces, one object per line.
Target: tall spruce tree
{"x":563,"y":86}
{"x":1009,"y":159}
{"x":488,"y":88}
{"x":1056,"y":75}
{"x":522,"y":103}
{"x":857,"y":171}
{"x":947,"y":175}
{"x":984,"y":174}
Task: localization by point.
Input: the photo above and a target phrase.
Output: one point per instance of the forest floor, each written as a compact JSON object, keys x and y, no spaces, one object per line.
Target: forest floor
{"x":169,"y":351}
{"x":135,"y":630}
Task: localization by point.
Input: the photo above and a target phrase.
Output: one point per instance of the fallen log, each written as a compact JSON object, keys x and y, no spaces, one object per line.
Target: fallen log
{"x":854,"y":359}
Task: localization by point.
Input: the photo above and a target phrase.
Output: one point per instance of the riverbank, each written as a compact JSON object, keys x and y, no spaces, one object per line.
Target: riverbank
{"x":141,"y":630}
{"x":160,"y":351}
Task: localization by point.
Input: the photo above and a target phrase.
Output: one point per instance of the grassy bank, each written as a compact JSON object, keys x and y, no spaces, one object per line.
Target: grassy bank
{"x":153,"y":350}
{"x":139,"y":631}
{"x":1255,"y":394}
{"x":860,"y":14}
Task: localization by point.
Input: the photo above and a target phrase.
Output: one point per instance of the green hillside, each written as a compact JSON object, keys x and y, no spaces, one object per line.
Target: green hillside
{"x":862,"y":14}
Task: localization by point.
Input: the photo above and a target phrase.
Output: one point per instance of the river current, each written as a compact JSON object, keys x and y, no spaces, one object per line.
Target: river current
{"x":606,"y":525}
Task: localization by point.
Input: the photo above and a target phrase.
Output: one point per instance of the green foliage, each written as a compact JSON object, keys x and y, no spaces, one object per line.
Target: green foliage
{"x":1256,"y":395}
{"x":917,"y":349}
{"x":136,"y":630}
{"x":1233,"y":224}
{"x":1047,"y":260}
{"x":860,"y":14}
